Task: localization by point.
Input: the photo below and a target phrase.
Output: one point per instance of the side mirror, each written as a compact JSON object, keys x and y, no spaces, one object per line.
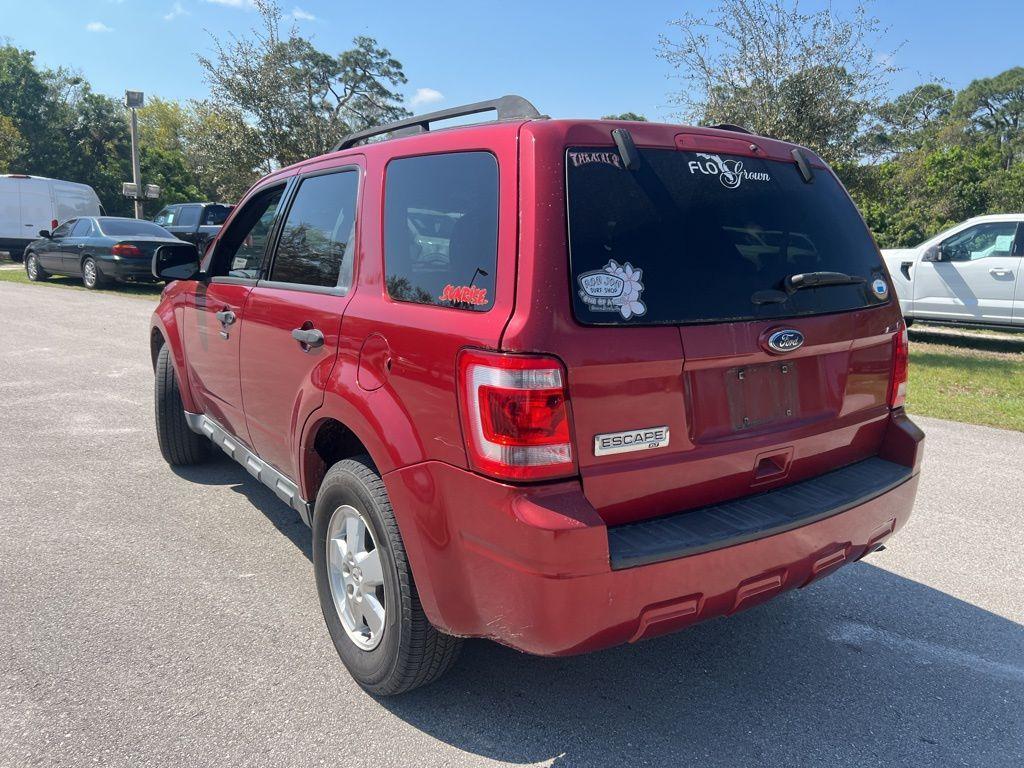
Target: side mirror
{"x":45,"y":233}
{"x":176,"y":262}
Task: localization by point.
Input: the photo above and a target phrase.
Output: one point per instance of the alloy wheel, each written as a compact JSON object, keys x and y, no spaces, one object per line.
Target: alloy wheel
{"x":89,"y":272}
{"x":356,"y":576}
{"x":32,"y":267}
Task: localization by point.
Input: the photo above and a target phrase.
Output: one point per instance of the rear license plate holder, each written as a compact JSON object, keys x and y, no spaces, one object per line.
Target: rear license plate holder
{"x":761,"y":394}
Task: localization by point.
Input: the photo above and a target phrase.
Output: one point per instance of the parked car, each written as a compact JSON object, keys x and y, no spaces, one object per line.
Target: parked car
{"x":967,"y":275}
{"x":193,"y":222}
{"x":31,"y":203}
{"x":563,"y":384}
{"x":98,"y":249}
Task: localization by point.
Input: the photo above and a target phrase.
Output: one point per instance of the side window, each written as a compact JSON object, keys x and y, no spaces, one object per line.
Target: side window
{"x":64,"y":230}
{"x":216,"y":215}
{"x":164,"y":217}
{"x":441,"y":229}
{"x":188,"y":216}
{"x":82,"y":229}
{"x":980,"y":241}
{"x":240,"y":251}
{"x":315,"y":245}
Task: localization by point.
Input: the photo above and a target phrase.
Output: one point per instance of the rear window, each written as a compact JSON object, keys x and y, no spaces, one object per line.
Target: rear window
{"x":132,"y":227}
{"x":441,"y":229}
{"x":690,"y":237}
{"x":216,"y":215}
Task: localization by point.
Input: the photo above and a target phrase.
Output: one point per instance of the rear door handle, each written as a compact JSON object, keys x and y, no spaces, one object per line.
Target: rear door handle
{"x":308,"y":338}
{"x":998,"y":271}
{"x":226,"y":317}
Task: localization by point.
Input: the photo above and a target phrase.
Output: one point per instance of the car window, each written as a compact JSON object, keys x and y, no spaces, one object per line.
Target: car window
{"x":216,"y":215}
{"x":64,"y":229}
{"x":83,"y":228}
{"x":239,"y":253}
{"x":132,"y":228}
{"x":188,"y":216}
{"x":166,"y":217}
{"x":441,"y":229}
{"x":993,"y":238}
{"x":314,"y":245}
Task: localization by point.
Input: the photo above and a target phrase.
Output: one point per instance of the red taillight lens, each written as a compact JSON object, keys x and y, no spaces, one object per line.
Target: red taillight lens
{"x":900,"y":369}
{"x":515,"y":415}
{"x":126,"y":249}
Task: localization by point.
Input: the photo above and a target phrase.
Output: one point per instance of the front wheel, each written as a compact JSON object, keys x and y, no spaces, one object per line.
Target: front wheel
{"x":35,"y":272}
{"x":366,"y":589}
{"x":92,"y":278}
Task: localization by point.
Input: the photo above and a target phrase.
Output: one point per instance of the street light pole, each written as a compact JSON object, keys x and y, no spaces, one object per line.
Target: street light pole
{"x":136,"y":170}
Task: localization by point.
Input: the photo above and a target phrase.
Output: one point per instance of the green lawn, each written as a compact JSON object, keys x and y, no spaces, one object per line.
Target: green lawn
{"x":141,"y":290}
{"x":970,"y":378}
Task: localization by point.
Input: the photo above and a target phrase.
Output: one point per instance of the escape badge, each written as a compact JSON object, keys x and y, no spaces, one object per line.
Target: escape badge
{"x":613,"y":288}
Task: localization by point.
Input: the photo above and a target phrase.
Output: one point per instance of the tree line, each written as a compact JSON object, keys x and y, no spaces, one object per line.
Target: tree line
{"x":914,"y":163}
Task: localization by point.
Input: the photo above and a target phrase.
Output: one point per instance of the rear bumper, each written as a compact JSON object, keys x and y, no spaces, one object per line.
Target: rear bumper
{"x":138,"y":270}
{"x":532,"y":568}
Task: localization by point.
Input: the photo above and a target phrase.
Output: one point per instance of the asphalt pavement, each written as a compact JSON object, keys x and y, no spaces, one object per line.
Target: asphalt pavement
{"x":158,"y":617}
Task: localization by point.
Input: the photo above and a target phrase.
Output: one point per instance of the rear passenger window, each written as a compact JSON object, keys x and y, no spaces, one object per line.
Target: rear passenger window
{"x":321,"y":223}
{"x":441,"y":229}
{"x":189,"y":216}
{"x":82,"y":229}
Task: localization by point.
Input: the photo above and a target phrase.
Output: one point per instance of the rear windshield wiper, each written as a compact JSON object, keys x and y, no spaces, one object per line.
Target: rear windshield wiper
{"x":802,"y":280}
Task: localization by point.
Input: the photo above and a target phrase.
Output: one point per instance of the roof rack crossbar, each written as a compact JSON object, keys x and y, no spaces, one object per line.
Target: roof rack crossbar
{"x":732,"y":127}
{"x":509,"y":107}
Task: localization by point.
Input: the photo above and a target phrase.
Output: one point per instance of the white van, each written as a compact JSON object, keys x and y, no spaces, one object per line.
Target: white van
{"x":31,"y":203}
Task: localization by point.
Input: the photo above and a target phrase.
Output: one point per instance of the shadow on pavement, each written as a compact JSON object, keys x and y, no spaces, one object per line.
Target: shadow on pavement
{"x":862,"y":668}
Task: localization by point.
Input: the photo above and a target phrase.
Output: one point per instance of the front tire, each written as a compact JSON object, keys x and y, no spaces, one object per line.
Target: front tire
{"x":179,"y":445}
{"x":35,"y":272}
{"x":366,"y":589}
{"x":92,"y":278}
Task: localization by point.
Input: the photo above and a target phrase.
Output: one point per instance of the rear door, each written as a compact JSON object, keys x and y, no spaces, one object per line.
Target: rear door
{"x":213,"y":318}
{"x":74,"y":245}
{"x":187,"y":224}
{"x":975,"y":279}
{"x":37,"y":208}
{"x":696,"y":372}
{"x":293,"y":319}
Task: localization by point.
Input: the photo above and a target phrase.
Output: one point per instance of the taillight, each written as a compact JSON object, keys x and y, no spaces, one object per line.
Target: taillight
{"x":126,"y":249}
{"x":900,"y":365}
{"x":515,"y":415}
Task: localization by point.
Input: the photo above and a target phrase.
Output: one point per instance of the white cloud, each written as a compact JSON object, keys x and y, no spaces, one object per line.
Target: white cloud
{"x":425,"y":96}
{"x":98,"y":26}
{"x":176,"y":10}
{"x":300,"y":15}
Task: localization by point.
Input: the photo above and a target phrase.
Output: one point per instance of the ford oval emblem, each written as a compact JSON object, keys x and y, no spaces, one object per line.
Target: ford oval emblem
{"x":786,"y":340}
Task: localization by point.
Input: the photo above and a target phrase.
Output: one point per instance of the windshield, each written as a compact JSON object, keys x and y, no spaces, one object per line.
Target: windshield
{"x":132,"y":228}
{"x":690,"y":237}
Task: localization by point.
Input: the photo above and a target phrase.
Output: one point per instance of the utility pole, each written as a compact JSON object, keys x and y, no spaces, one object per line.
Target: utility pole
{"x":133,"y":100}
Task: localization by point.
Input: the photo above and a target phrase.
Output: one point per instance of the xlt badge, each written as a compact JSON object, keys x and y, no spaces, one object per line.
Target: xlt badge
{"x":630,"y":440}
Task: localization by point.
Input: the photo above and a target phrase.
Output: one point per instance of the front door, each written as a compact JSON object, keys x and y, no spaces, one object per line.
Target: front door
{"x":213,"y":317}
{"x":975,"y":278}
{"x":293,"y":319}
{"x":50,"y":250}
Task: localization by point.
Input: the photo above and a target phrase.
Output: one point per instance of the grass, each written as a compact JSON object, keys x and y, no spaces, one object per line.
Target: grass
{"x":970,"y":378}
{"x":140,"y":290}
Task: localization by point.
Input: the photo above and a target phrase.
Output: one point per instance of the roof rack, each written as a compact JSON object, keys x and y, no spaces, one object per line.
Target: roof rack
{"x":509,"y":107}
{"x":732,"y":127}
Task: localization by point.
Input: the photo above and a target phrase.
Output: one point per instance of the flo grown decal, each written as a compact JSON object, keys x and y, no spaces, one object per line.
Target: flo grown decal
{"x":730,"y":172}
{"x":613,"y":288}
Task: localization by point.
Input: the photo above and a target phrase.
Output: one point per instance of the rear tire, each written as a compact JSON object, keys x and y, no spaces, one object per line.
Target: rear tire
{"x":409,"y":651}
{"x":35,"y":272}
{"x":92,"y":278}
{"x":179,"y":445}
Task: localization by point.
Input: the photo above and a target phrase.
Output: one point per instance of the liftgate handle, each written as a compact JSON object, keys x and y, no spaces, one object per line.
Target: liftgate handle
{"x":309,"y":338}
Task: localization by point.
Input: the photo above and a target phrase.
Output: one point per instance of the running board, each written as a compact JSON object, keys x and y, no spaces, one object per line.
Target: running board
{"x":285,"y":489}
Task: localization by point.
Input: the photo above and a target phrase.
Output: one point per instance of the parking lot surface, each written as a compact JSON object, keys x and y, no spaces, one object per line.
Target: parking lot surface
{"x":151,"y":616}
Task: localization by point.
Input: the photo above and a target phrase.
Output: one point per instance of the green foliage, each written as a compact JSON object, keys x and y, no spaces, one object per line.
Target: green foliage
{"x":626,"y":116}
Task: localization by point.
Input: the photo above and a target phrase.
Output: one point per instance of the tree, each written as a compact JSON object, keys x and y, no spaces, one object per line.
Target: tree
{"x":300,"y":100}
{"x":994,"y":107}
{"x":910,"y":120}
{"x":12,"y":144}
{"x":223,"y":151}
{"x":626,"y":116}
{"x":810,"y":78}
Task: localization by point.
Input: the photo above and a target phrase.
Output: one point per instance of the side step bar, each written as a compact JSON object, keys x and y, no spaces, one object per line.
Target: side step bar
{"x":285,"y":489}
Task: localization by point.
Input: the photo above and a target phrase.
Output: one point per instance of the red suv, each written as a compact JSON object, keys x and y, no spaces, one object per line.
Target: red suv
{"x":563,"y":384}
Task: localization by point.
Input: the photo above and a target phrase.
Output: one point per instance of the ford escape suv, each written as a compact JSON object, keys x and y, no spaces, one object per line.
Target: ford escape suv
{"x":563,"y":384}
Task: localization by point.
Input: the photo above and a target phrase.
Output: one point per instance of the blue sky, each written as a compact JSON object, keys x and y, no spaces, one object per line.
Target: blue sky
{"x":572,"y":59}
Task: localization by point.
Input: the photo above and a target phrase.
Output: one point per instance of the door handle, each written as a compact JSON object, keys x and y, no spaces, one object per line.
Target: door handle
{"x":226,"y":317}
{"x":308,"y":337}
{"x":999,"y":272}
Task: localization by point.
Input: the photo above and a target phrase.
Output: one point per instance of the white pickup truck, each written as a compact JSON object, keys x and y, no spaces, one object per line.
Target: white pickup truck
{"x":968,"y":275}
